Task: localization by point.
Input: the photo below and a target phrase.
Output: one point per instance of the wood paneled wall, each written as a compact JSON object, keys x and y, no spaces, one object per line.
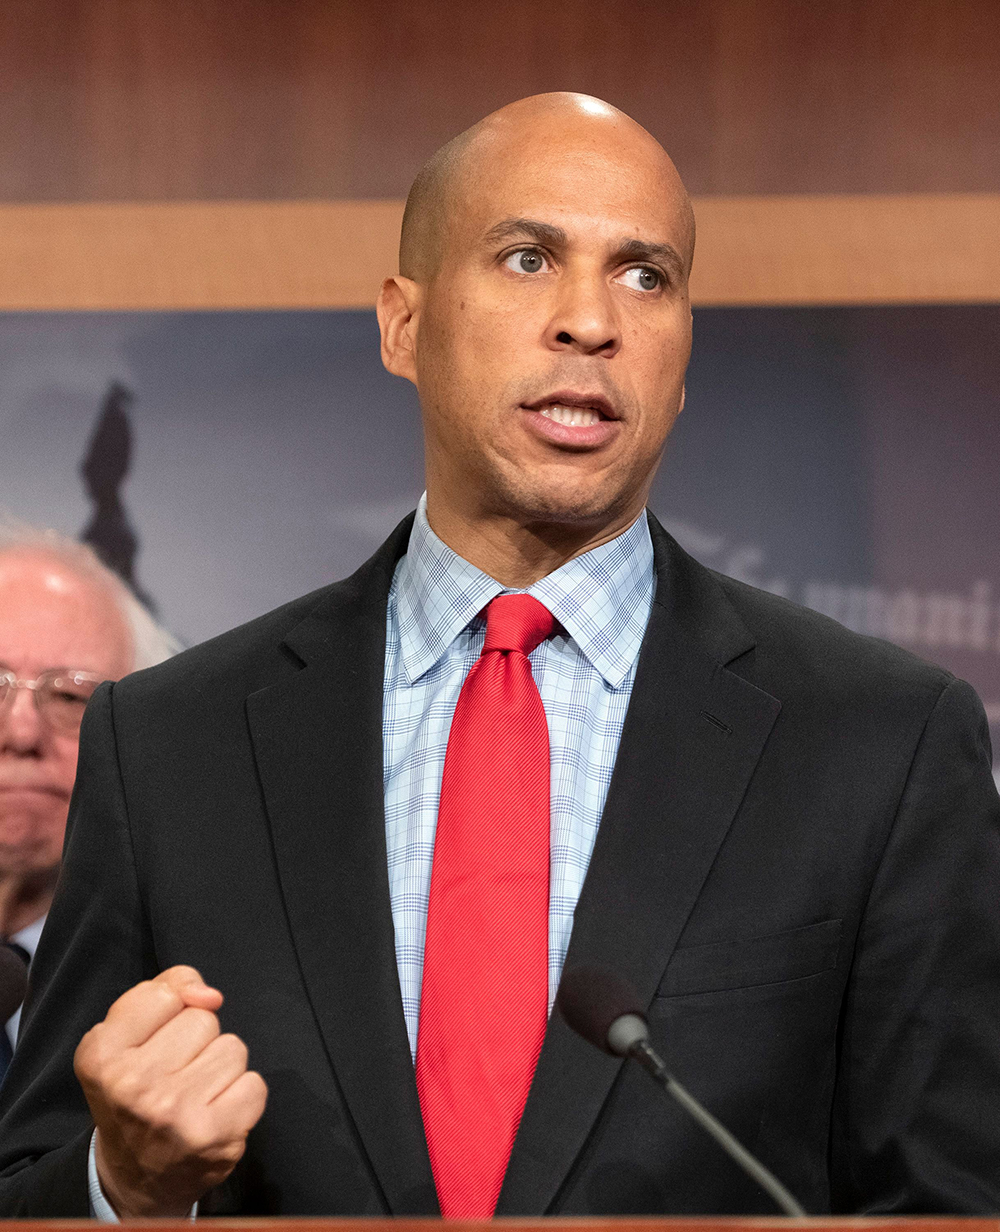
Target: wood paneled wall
{"x":916,"y":248}
{"x":116,"y":100}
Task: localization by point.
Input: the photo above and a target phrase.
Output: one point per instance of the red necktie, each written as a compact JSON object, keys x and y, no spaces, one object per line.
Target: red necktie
{"x":484,"y":999}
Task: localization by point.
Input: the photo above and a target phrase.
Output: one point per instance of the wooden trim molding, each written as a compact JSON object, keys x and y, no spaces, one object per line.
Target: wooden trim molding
{"x":191,"y":255}
{"x":920,"y":248}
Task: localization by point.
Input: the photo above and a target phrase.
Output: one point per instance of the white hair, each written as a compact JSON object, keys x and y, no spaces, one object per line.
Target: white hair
{"x":151,"y":643}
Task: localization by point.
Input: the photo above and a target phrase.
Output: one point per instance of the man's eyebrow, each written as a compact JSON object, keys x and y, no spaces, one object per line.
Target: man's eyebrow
{"x":512,"y":228}
{"x":646,"y":250}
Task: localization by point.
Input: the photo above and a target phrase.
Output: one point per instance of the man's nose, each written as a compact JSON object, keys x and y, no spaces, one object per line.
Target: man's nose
{"x":22,"y":729}
{"x":585,"y":317}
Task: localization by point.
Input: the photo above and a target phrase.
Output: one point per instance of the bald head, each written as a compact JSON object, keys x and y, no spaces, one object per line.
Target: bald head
{"x":542,"y":312}
{"x":544,"y":127}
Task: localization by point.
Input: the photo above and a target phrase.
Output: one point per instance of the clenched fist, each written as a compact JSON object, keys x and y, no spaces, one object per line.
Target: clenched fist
{"x":172,"y":1099}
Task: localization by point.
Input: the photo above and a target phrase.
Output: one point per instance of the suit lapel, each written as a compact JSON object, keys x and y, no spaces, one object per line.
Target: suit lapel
{"x":318,"y":743}
{"x":679,"y":778}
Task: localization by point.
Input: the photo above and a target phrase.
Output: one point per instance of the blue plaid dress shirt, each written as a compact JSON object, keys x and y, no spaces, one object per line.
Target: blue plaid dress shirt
{"x":584,"y":673}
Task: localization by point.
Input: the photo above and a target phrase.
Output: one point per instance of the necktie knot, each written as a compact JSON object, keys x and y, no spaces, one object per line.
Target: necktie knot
{"x":517,"y":622}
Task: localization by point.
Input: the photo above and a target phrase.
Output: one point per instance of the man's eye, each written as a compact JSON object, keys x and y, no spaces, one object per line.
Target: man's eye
{"x":525,"y":261}
{"x":642,"y":278}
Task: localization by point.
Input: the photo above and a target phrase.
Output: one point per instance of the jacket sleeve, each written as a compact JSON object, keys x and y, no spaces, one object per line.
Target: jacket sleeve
{"x":95,"y":945}
{"x":916,"y":1122}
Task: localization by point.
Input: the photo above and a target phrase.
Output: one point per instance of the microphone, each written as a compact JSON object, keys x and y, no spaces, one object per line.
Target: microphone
{"x":13,"y":981}
{"x":605,"y":1009}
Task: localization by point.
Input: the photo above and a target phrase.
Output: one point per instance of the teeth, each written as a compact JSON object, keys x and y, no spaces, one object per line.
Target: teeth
{"x":573,"y":416}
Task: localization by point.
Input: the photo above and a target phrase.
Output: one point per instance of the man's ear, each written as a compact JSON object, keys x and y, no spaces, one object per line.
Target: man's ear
{"x":398,"y":309}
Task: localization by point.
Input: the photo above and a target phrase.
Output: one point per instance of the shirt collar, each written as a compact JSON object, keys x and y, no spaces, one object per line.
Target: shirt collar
{"x":602,"y":598}
{"x":28,"y":936}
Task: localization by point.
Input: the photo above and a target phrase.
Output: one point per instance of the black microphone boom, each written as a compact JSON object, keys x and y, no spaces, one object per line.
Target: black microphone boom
{"x":606,"y":1011}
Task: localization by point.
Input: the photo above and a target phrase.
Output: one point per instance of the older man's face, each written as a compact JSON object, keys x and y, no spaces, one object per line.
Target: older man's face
{"x":50,"y":617}
{"x":551,"y":344}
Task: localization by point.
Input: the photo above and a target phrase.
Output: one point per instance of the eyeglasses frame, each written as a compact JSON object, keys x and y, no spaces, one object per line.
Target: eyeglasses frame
{"x":14,"y":683}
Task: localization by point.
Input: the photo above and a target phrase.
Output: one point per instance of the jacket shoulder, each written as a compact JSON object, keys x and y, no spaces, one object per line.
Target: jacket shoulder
{"x":253,"y":654}
{"x":798,"y":643}
{"x":250,"y":647}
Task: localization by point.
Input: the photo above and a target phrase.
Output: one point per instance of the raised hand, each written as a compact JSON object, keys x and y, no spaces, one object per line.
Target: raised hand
{"x":172,"y":1098}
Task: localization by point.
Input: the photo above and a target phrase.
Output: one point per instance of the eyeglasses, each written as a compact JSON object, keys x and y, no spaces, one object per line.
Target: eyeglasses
{"x":61,"y":695}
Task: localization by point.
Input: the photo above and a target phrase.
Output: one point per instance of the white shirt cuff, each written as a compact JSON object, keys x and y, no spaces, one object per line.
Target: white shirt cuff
{"x":100,"y":1207}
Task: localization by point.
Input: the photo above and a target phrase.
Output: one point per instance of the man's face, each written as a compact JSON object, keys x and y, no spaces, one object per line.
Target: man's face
{"x":50,"y":617}
{"x":552,"y":343}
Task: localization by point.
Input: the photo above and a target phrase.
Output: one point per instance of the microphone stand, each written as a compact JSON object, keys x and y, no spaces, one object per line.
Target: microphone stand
{"x":650,"y":1061}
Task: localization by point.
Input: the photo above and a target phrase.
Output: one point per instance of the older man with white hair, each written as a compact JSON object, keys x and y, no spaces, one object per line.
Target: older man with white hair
{"x":66,"y":623}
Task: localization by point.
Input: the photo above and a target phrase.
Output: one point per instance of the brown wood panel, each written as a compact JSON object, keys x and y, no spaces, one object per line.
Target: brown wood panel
{"x":914,"y":248}
{"x":259,"y":99}
{"x":756,"y":250}
{"x":197,"y":255}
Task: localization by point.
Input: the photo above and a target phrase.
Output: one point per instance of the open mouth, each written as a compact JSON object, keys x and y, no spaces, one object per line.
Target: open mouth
{"x":573,"y":410}
{"x":574,"y":417}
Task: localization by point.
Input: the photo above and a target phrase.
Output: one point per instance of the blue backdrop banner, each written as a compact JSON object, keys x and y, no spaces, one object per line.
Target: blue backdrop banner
{"x":843,"y":457}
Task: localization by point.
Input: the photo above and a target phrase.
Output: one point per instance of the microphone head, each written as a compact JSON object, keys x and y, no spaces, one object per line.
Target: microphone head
{"x":13,"y":981}
{"x":592,"y":1000}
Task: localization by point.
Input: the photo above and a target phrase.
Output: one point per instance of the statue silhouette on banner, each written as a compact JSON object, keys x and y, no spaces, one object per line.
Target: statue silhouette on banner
{"x":104,"y":470}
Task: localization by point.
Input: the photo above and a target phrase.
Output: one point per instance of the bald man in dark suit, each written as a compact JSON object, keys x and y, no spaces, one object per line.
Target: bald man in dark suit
{"x":786,"y":836}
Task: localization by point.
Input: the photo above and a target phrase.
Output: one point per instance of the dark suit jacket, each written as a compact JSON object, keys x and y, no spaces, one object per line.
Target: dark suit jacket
{"x":798,"y":867}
